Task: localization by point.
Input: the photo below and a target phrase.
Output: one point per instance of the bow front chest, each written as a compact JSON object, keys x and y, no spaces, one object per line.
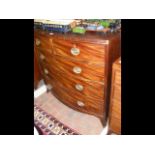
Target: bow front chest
{"x":78,"y":68}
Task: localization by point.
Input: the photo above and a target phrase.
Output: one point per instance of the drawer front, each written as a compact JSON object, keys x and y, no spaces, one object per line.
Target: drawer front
{"x":78,"y":69}
{"x":80,"y":87}
{"x":43,"y":42}
{"x":83,"y":104}
{"x":80,"y":51}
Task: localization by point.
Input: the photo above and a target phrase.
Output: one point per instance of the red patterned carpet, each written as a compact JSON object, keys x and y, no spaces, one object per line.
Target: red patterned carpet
{"x":46,"y":124}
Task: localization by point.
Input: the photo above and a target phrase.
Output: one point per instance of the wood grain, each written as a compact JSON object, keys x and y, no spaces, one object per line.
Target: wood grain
{"x":90,"y":72}
{"x":115,"y":105}
{"x":94,"y":107}
{"x":88,"y":51}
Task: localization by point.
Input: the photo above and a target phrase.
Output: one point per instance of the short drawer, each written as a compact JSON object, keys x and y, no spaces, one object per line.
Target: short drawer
{"x":78,"y":69}
{"x":80,"y":51}
{"x":43,"y":42}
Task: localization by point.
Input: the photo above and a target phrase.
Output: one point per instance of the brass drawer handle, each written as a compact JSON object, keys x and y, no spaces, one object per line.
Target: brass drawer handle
{"x":75,"y":51}
{"x":77,"y":70}
{"x":42,"y":56}
{"x":79,"y":87}
{"x":80,"y":103}
{"x":38,"y":42}
{"x":46,"y":71}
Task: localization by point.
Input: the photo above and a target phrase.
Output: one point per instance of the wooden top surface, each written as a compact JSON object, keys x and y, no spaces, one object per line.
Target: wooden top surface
{"x":88,"y":36}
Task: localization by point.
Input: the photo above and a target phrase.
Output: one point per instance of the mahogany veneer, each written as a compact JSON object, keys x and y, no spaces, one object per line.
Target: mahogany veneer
{"x":115,"y":105}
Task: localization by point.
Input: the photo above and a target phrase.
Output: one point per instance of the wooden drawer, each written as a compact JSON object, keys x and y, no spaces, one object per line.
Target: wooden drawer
{"x":83,"y":104}
{"x":80,"y":87}
{"x":78,"y":69}
{"x":80,"y":51}
{"x":43,"y":42}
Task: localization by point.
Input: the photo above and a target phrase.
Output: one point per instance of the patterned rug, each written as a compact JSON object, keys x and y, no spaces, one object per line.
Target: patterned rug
{"x":46,"y":124}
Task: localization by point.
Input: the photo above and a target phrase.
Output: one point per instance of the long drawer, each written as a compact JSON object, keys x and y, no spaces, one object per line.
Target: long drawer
{"x":79,"y":51}
{"x":83,"y":104}
{"x":78,"y":69}
{"x":81,"y":87}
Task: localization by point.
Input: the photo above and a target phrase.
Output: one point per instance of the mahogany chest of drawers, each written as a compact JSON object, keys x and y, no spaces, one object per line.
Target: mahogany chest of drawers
{"x":78,"y":68}
{"x":115,"y":101}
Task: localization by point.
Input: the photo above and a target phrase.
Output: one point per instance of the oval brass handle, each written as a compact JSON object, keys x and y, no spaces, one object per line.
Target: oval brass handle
{"x":79,"y":87}
{"x":77,"y":70}
{"x":42,"y":56}
{"x":38,"y":42}
{"x":80,"y":103}
{"x":75,"y":51}
{"x":45,"y":71}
